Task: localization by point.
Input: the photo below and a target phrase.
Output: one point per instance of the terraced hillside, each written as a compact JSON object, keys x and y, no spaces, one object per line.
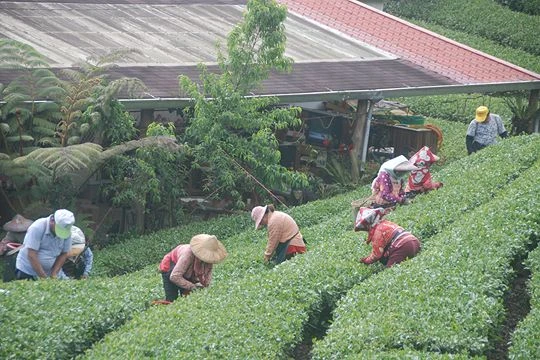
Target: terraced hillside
{"x":447,"y":302}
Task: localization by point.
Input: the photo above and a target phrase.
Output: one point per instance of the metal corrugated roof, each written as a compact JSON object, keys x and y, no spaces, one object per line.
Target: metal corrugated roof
{"x":342,"y":48}
{"x":175,"y":34}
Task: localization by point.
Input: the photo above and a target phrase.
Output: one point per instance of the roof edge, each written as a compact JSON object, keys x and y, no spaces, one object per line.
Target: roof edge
{"x":444,"y":38}
{"x":168,"y":103}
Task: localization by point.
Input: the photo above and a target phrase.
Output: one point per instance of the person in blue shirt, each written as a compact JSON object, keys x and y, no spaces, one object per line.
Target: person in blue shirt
{"x":80,"y":259}
{"x":46,"y":246}
{"x":483,"y":130}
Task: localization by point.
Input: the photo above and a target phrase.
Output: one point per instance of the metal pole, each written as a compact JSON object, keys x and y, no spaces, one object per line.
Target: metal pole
{"x":366,"y":135}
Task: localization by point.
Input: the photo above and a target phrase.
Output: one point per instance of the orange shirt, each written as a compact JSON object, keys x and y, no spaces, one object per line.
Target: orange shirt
{"x":281,"y":228}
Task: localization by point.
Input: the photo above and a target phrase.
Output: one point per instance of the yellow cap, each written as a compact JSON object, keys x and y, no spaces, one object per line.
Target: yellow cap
{"x":481,"y":113}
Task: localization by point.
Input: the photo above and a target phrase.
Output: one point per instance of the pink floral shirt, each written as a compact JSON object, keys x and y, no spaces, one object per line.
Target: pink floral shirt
{"x":188,"y":269}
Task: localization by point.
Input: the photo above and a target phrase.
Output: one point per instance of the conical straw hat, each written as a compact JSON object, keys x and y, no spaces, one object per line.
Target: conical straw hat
{"x":18,"y":224}
{"x":208,"y":248}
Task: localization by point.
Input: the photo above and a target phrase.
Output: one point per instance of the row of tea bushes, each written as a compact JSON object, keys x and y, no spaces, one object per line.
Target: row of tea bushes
{"x":526,"y":338}
{"x":331,"y":242}
{"x":82,"y":312}
{"x":450,"y":298}
{"x":265,"y":313}
{"x":136,"y":253}
{"x":53,"y":319}
{"x":261,"y":315}
{"x":468,"y":183}
{"x":480,"y":17}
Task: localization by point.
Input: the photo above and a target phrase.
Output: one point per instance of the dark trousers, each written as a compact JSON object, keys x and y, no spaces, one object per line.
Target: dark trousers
{"x":281,"y":252}
{"x":172,"y":291}
{"x":407,"y":250}
{"x":21,"y":275}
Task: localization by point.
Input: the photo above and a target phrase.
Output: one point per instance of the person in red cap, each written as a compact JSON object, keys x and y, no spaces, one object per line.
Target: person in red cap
{"x":284,"y":237}
{"x":189,"y":266}
{"x":483,"y":130}
{"x":390,"y":243}
{"x":388,"y":188}
{"x":420,"y":180}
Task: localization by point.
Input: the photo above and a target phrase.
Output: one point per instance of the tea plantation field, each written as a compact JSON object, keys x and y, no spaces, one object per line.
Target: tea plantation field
{"x":445,"y":303}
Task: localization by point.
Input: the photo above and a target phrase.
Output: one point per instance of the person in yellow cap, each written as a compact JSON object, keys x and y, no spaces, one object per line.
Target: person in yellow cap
{"x":483,"y":130}
{"x":189,"y":266}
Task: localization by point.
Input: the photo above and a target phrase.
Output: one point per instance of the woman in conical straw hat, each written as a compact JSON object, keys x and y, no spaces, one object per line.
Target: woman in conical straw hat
{"x":284,"y":237}
{"x":189,"y":266}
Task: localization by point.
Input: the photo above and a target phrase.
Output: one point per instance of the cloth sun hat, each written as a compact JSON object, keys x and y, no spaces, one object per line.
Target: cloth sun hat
{"x":63,"y":221}
{"x":208,"y":248}
{"x":367,"y":217}
{"x":481,"y":113}
{"x":257,"y":215}
{"x":18,"y":224}
{"x":77,"y":241}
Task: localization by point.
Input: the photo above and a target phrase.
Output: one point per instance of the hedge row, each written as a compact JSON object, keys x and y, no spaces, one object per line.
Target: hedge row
{"x":136,"y":253}
{"x":53,"y":319}
{"x":91,"y":308}
{"x":450,"y":298}
{"x":329,"y":269}
{"x":458,"y":108}
{"x":480,"y":17}
{"x":468,"y":183}
{"x":515,"y":56}
{"x":525,"y":342}
{"x":265,"y":313}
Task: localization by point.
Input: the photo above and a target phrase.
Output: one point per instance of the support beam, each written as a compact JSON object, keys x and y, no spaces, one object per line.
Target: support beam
{"x":533,"y":110}
{"x":358,"y":137}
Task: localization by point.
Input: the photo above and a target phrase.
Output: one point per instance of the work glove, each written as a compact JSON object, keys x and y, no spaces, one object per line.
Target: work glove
{"x":198,"y":285}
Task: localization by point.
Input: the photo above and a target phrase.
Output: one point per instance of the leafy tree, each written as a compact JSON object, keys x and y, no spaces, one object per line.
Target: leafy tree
{"x":27,"y":123}
{"x":171,"y":169}
{"x":90,"y":108}
{"x":232,"y":135}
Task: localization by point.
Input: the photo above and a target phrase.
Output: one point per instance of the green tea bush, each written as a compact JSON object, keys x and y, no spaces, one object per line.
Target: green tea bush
{"x":266,"y":312}
{"x":469,"y":183}
{"x":456,"y":107}
{"x":53,"y":319}
{"x":449,"y":299}
{"x":136,"y":253}
{"x":525,"y":342}
{"x":480,"y":17}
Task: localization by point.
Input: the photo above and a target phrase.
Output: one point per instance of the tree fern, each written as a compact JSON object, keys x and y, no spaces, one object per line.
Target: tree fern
{"x":34,"y":81}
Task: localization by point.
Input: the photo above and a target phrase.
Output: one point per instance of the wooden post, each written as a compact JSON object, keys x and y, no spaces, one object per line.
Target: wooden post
{"x":358,"y":138}
{"x":532,"y":110}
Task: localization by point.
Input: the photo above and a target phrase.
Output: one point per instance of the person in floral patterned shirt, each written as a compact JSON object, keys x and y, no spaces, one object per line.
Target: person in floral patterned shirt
{"x":388,"y":188}
{"x":390,"y":243}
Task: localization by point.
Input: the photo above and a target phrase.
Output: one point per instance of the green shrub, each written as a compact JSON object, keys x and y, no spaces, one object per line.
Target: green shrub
{"x":266,"y":312}
{"x":480,"y":17}
{"x":449,"y":299}
{"x":525,"y":342}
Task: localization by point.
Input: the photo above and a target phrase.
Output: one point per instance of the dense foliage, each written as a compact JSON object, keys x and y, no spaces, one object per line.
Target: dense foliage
{"x":233,"y":136}
{"x":479,"y":17}
{"x":525,"y":341}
